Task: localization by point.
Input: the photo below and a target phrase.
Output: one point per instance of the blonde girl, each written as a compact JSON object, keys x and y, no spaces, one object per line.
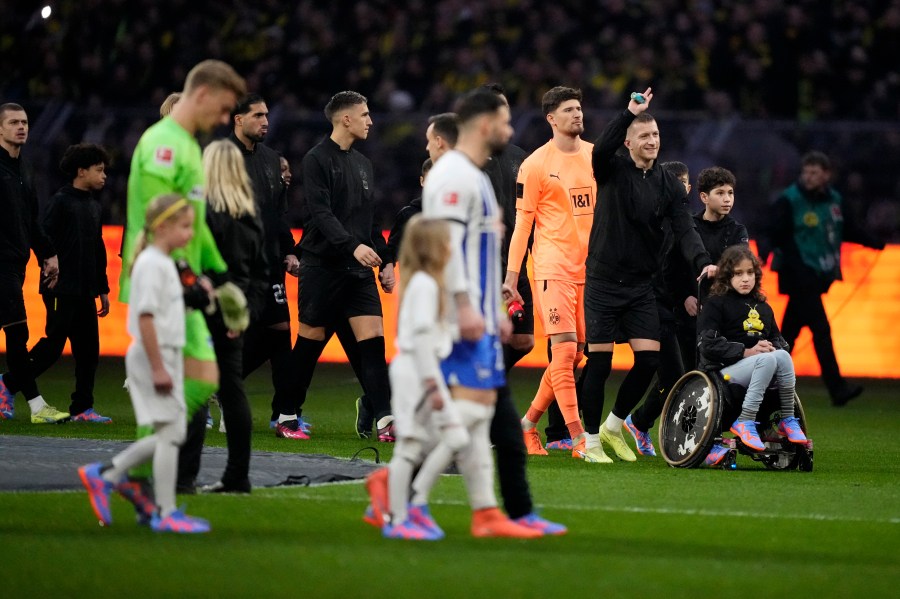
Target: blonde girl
{"x":420,"y":401}
{"x":155,"y":369}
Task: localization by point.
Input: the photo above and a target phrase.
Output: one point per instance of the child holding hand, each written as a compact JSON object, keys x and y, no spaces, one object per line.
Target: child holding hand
{"x":155,"y":370}
{"x":420,"y":401}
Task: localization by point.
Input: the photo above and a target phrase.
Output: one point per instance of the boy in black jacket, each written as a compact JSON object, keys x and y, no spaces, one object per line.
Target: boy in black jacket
{"x":73,"y":224}
{"x":718,"y":230}
{"x":677,"y":290}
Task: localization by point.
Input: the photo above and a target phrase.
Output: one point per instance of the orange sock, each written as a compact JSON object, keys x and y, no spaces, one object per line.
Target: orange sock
{"x":563,"y":379}
{"x":542,"y":399}
{"x":575,"y":429}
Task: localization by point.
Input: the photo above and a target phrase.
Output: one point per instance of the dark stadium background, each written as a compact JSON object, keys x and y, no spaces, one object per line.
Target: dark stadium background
{"x":749,"y":85}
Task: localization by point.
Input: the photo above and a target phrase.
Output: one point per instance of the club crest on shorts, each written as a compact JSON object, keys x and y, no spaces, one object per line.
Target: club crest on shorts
{"x":554,"y":316}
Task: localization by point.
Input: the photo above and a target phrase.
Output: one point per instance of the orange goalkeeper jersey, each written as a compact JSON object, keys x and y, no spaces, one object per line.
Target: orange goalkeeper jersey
{"x":556,"y":191}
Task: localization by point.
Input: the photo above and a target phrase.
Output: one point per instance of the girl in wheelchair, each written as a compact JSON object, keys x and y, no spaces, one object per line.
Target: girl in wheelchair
{"x":737,"y":333}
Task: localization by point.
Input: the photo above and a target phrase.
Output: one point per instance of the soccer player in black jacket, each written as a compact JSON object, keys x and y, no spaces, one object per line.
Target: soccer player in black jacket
{"x":268,"y":338}
{"x":72,"y":222}
{"x":340,"y":246}
{"x":20,"y":232}
{"x":637,"y":199}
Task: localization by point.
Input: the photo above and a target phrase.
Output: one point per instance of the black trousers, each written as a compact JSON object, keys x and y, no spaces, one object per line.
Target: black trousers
{"x":261,"y":344}
{"x":72,"y":318}
{"x":235,"y":411}
{"x":805,"y":309}
{"x":506,"y":436}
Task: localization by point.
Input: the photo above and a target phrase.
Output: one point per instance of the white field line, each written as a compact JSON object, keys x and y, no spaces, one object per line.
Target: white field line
{"x":272,"y":492}
{"x":705,"y":513}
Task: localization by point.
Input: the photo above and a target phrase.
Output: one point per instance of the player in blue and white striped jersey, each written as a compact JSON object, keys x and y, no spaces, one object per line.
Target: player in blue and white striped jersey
{"x":458,"y":192}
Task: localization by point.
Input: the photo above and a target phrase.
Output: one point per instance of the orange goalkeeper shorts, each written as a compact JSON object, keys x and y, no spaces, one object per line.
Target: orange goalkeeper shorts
{"x":560,"y":306}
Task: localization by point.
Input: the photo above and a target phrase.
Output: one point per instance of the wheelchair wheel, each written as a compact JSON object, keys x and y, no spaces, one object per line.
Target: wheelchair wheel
{"x":690,"y":419}
{"x":786,"y":455}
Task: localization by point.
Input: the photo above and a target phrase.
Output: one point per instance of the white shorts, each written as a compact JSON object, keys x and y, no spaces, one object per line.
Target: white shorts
{"x":151,"y":407}
{"x":413,"y":416}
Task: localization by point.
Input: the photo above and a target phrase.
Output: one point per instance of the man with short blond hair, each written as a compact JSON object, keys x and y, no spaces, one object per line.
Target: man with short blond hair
{"x":167,"y":159}
{"x":640,"y":201}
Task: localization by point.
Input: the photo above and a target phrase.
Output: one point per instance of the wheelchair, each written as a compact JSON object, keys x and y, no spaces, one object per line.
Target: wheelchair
{"x":702,"y":405}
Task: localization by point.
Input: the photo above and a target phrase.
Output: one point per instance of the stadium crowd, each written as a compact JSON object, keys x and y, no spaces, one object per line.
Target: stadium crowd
{"x":801,"y":59}
{"x":750,"y":85}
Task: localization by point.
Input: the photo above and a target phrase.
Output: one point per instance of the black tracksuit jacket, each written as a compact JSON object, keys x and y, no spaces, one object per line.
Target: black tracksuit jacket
{"x":20,"y":229}
{"x":269,"y":191}
{"x":628,"y":234}
{"x":338,"y":192}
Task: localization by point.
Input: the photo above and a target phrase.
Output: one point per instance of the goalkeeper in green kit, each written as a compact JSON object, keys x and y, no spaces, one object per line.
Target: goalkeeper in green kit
{"x":168,"y":159}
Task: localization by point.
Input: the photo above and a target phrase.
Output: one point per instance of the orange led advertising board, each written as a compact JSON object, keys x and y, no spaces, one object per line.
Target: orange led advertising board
{"x":862,"y":309}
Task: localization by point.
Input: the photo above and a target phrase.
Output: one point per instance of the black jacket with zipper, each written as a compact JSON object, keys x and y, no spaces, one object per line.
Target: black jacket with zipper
{"x":20,"y":229}
{"x":270,"y":193}
{"x":633,"y":205}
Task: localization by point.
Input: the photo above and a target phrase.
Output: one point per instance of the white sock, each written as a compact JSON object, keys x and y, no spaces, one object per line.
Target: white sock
{"x":138,"y":453}
{"x":527,"y":424}
{"x":613,"y":423}
{"x":282,"y":418}
{"x":165,"y":465}
{"x":37,"y":404}
{"x":432,"y":468}
{"x":476,"y":464}
{"x":407,"y":456}
{"x":591,"y":441}
{"x":384,"y":421}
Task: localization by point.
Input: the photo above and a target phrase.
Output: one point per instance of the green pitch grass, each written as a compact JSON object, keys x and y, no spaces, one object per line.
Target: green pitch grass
{"x":637,"y":530}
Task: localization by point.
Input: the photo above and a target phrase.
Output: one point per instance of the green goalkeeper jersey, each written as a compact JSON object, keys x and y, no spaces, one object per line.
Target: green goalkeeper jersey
{"x":167,"y":159}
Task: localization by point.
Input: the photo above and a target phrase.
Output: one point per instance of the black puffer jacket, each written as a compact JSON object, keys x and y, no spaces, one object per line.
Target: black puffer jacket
{"x":731,"y":323}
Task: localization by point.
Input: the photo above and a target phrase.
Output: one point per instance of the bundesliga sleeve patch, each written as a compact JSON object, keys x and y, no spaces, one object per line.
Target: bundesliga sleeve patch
{"x":164,"y":156}
{"x":451,"y":198}
{"x":520,"y":190}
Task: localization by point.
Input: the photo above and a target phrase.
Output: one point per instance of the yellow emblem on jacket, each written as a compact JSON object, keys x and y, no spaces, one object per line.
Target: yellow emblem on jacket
{"x":753,"y":325}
